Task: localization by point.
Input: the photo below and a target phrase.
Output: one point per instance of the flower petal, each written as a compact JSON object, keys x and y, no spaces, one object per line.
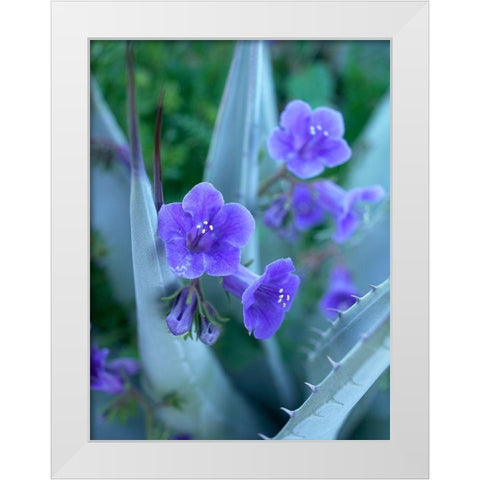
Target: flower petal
{"x":305,"y":168}
{"x":291,"y":286}
{"x":108,"y":383}
{"x":334,"y":151}
{"x":345,"y":226}
{"x":331,"y":196}
{"x":222,"y":259}
{"x":203,"y":202}
{"x":328,"y":120}
{"x":278,"y":271}
{"x":296,"y":117}
{"x":173,"y":222}
{"x":275,"y":215}
{"x":367,"y":194}
{"x":180,"y":318}
{"x":182,"y":261}
{"x":233,"y":224}
{"x":208,"y":332}
{"x":308,"y":212}
{"x":124,"y":366}
{"x":280,"y":144}
{"x":339,"y":294}
{"x":263,"y":320}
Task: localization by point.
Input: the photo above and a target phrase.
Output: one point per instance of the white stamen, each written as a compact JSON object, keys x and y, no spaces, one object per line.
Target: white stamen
{"x":281,"y":290}
{"x":199,"y":226}
{"x":288,"y":297}
{"x":205,"y":222}
{"x":325,"y":133}
{"x":319,"y":127}
{"x":210,"y":227}
{"x":279,"y":300}
{"x":284,"y":305}
{"x":312,"y":130}
{"x":280,"y":296}
{"x":203,"y":230}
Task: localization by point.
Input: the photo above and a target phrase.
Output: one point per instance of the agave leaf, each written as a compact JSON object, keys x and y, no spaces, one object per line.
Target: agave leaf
{"x":246,"y":116}
{"x":209,"y":406}
{"x":324,"y":412}
{"x":342,"y":335}
{"x":368,"y":252}
{"x":109,"y":194}
{"x":370,"y":418}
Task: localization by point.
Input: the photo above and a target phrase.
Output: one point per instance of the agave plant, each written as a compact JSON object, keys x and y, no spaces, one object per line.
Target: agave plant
{"x":217,"y":285}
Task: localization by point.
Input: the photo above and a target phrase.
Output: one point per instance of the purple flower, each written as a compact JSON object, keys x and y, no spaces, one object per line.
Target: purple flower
{"x":339,"y":293}
{"x":265,"y":298}
{"x":203,"y":234}
{"x":109,"y":376}
{"x":208,"y":332}
{"x":275,"y":215}
{"x":308,"y":141}
{"x":307,"y":211}
{"x":341,"y":205}
{"x":179,"y":320}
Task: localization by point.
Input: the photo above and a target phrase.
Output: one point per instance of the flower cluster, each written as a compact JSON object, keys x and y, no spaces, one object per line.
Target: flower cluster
{"x":311,"y":202}
{"x":204,"y":235}
{"x":109,"y":376}
{"x":187,"y":307}
{"x":307,"y":141}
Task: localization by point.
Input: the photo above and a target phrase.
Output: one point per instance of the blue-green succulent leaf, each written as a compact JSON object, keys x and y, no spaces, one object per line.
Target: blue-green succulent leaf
{"x":324,"y":412}
{"x":246,"y":116}
{"x":367,"y":254}
{"x":343,"y":333}
{"x":109,"y":194}
{"x":209,"y":406}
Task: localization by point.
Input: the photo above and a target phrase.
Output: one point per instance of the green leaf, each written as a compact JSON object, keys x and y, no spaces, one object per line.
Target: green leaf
{"x":313,"y":84}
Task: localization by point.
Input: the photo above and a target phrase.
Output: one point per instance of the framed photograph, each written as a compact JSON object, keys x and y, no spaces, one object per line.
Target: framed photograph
{"x":239,"y":224}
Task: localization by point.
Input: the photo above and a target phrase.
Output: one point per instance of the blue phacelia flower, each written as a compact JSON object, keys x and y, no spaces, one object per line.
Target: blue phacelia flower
{"x":339,"y":293}
{"x":203,"y":234}
{"x":307,"y":212}
{"x":180,"y":318}
{"x":109,"y":376}
{"x":341,"y":205}
{"x":310,"y":202}
{"x":265,"y":298}
{"x":308,"y":141}
{"x":208,"y":332}
{"x":276,"y":214}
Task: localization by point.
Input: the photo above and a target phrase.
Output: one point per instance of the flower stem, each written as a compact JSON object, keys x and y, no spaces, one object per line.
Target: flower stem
{"x":281,"y":173}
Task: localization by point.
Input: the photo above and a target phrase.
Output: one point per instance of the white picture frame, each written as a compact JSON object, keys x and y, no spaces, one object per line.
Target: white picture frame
{"x":405,"y":24}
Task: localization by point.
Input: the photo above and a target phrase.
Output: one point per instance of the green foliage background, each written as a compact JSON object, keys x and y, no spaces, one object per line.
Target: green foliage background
{"x":348,"y":75}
